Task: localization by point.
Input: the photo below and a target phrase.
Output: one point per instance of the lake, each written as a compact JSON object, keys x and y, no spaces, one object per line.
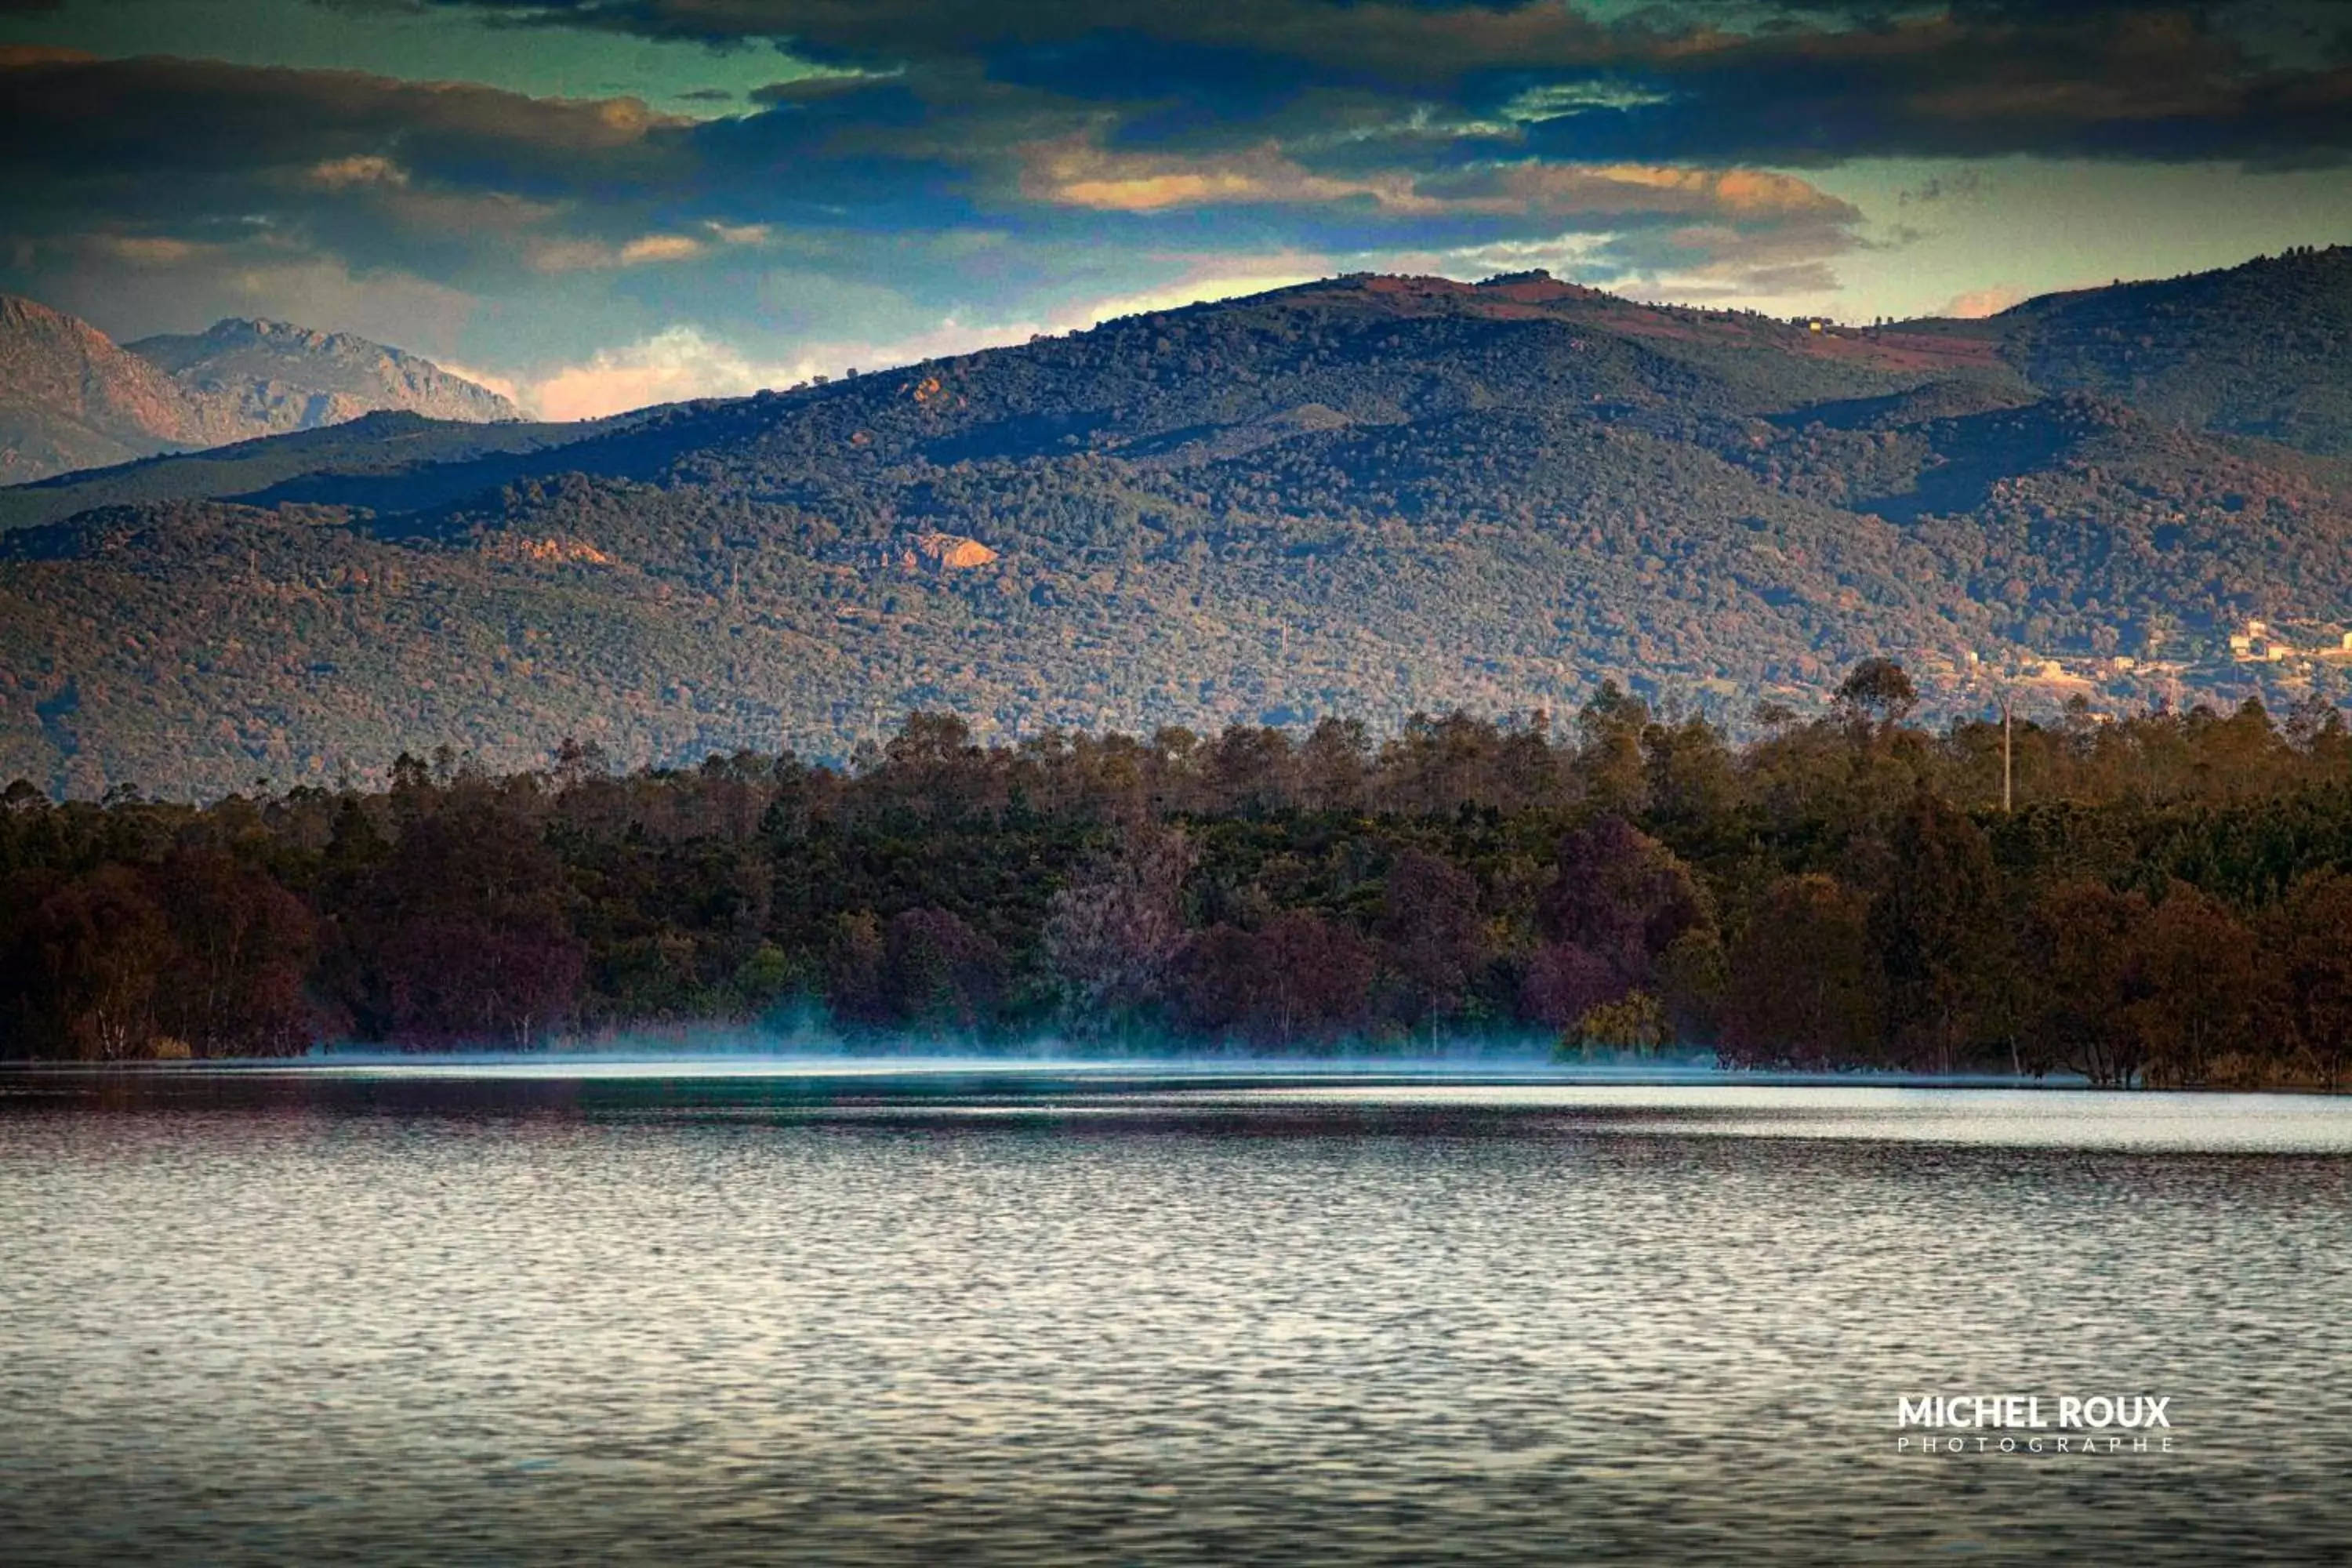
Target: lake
{"x":751,"y":1312}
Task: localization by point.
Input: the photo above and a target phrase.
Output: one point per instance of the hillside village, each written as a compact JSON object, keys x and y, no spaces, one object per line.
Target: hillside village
{"x":2278,"y":660}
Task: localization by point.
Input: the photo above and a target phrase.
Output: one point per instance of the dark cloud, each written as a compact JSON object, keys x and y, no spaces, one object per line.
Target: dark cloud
{"x":1221,"y":126}
{"x":1350,"y":115}
{"x":947,"y":150}
{"x":158,"y":162}
{"x":1336,"y":126}
{"x":1814,"y":83}
{"x":2147,"y":86}
{"x":155,"y":116}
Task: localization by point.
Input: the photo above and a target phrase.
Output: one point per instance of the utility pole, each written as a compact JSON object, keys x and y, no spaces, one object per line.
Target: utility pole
{"x":2008,"y":771}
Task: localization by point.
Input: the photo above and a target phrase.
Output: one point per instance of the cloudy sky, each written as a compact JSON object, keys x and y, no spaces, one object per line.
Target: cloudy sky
{"x":596,"y":204}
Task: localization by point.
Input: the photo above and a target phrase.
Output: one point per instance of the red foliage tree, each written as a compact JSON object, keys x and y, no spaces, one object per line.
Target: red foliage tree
{"x":466,"y":936}
{"x":1299,"y":980}
{"x":242,"y":949}
{"x":1617,"y":901}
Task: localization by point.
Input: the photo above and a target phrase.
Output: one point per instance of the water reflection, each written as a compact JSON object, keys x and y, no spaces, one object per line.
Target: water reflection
{"x":1000,"y":1316}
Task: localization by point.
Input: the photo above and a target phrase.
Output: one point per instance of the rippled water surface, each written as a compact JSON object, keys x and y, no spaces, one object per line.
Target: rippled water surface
{"x":1042,"y":1316}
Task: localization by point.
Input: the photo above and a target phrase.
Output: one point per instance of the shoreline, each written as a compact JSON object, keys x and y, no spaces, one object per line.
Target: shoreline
{"x":1371,"y":1071}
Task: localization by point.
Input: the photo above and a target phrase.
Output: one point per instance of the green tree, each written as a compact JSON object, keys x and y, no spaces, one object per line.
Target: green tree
{"x":1942,"y":938}
{"x":1877,"y":694}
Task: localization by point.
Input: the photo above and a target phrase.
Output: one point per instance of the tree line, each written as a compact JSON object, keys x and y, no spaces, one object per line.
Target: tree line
{"x":2168,"y":903}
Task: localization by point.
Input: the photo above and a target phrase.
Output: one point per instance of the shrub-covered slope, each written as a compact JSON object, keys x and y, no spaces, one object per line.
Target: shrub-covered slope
{"x":1371,"y":495}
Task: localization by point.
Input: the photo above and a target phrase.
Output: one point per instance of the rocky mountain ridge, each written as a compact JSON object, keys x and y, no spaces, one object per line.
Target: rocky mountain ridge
{"x":71,"y":398}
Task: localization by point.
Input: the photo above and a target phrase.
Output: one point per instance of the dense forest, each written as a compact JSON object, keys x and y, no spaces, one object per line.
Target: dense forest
{"x":2165,"y":901}
{"x":1368,"y":495}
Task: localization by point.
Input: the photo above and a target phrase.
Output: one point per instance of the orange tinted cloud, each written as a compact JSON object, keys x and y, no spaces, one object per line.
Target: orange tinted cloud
{"x":1073,"y":173}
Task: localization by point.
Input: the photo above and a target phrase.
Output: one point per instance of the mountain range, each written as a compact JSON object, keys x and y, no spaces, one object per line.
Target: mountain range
{"x":70,"y":398}
{"x":1368,"y":496}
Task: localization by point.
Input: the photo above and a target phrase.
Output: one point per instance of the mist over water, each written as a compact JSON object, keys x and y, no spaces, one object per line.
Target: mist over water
{"x":880,"y":1312}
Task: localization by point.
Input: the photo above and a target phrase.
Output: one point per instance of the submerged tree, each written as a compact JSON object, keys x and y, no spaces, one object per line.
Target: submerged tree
{"x":242,"y":950}
{"x":2200,"y":989}
{"x":1301,"y":980}
{"x":1942,"y":938}
{"x":1431,"y":933}
{"x":90,"y":962}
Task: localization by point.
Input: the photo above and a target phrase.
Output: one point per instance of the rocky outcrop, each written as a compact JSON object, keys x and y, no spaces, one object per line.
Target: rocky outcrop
{"x":947,"y":553}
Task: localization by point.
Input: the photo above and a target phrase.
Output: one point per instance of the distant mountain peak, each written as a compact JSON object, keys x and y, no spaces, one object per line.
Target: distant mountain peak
{"x":231,"y":331}
{"x":71,"y":397}
{"x":22,"y":316}
{"x":239,"y":327}
{"x":17,"y":310}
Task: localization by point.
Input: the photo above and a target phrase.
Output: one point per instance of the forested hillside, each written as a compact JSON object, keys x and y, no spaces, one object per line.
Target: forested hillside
{"x":1372,"y":495}
{"x":2257,"y":349}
